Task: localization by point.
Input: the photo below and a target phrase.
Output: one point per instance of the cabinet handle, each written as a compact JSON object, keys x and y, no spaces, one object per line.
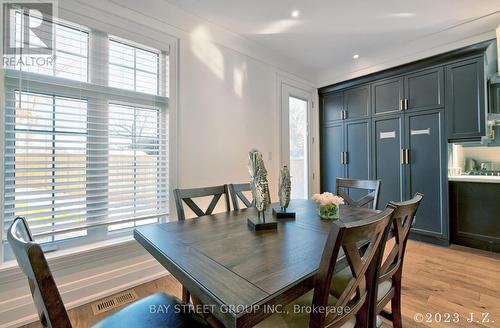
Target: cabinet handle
{"x":406,"y":104}
{"x":346,"y":158}
{"x":345,"y":115}
{"x":402,"y":156}
{"x":407,"y":156}
{"x":341,"y":157}
{"x":401,"y":104}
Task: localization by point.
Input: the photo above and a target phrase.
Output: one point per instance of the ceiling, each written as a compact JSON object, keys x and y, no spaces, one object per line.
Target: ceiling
{"x":328,"y":33}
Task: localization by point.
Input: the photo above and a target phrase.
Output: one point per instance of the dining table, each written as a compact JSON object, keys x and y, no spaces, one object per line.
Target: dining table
{"x":242,"y":276}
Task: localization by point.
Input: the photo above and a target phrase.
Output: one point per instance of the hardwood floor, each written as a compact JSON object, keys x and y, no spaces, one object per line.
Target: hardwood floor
{"x":436,"y":280}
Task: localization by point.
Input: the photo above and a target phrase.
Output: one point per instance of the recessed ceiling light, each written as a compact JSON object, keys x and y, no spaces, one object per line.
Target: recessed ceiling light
{"x":295,"y":13}
{"x":356,"y":56}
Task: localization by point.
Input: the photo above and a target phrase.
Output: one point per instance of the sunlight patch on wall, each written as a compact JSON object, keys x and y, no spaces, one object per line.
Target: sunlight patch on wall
{"x":207,"y":52}
{"x":239,"y":78}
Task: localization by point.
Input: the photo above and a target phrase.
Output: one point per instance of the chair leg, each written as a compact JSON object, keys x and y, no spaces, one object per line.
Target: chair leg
{"x":185,"y":295}
{"x":396,"y":303}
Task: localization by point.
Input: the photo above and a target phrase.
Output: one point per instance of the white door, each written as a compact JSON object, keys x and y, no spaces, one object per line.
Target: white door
{"x":295,"y":145}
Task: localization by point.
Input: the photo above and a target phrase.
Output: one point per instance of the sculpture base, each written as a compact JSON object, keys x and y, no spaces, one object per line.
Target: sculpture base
{"x":280,"y":214}
{"x":259,"y":224}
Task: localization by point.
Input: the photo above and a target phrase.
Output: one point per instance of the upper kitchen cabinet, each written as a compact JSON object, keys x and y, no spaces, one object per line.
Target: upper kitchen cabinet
{"x":424,"y":89}
{"x":420,"y":90}
{"x":465,"y":99}
{"x":333,"y":106}
{"x":387,"y":95}
{"x":357,"y":102}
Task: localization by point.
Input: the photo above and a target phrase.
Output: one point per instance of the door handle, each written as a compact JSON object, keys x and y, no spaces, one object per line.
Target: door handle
{"x":343,"y":115}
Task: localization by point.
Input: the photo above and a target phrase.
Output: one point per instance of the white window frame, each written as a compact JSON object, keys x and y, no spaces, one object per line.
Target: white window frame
{"x":41,"y":82}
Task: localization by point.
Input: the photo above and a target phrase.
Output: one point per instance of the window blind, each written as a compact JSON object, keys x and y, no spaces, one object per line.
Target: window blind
{"x":86,"y":140}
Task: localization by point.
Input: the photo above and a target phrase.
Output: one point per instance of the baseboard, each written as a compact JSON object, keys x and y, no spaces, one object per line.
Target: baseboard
{"x":429,"y":239}
{"x":80,"y":284}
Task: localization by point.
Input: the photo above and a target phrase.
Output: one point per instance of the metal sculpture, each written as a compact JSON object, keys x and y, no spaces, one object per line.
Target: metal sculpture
{"x":258,"y":183}
{"x":284,"y":189}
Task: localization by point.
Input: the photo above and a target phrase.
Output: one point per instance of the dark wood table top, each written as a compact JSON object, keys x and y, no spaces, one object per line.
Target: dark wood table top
{"x":239,"y":271}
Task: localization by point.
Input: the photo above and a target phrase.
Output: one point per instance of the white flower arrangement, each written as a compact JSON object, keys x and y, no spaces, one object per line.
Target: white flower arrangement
{"x":327,"y":198}
{"x":328,"y":205}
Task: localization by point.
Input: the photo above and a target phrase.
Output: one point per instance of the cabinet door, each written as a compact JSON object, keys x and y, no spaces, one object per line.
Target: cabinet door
{"x":465,"y":108}
{"x":495,"y":98}
{"x":387,"y":95}
{"x":357,"y":145}
{"x":426,"y":172}
{"x":333,"y":104}
{"x":425,"y":89}
{"x":332,"y":145}
{"x":387,"y":145}
{"x":357,"y":102}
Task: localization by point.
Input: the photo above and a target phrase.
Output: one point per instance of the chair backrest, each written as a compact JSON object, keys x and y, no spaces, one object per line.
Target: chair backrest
{"x":362,"y":243}
{"x":236,"y":191}
{"x":404,"y":214}
{"x":372,"y":186}
{"x":187,"y":195}
{"x":33,"y":264}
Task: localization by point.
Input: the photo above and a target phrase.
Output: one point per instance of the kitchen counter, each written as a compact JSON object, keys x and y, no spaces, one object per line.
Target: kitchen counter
{"x":475,"y":178}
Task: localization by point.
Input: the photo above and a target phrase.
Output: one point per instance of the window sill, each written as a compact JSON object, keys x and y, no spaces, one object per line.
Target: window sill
{"x":73,"y":256}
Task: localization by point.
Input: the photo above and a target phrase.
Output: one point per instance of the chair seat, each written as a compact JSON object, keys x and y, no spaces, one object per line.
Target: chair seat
{"x":158,"y":310}
{"x":290,"y":318}
{"x":342,"y":278}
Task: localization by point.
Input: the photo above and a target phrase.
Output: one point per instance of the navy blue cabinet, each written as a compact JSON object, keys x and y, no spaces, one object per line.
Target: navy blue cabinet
{"x":357,"y":156}
{"x":465,"y":99}
{"x":332,"y":107}
{"x":394,"y":126}
{"x":357,"y":102}
{"x":424,"y":89}
{"x":345,"y":148}
{"x":353,"y":103}
{"x":426,"y":171}
{"x":419,"y":90}
{"x":387,"y":95}
{"x":410,"y":157}
{"x":332,"y":148}
{"x":388,"y":145}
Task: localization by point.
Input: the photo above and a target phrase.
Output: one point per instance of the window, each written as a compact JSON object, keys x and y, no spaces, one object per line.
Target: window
{"x":86,"y":141}
{"x":70,"y":49}
{"x":46,"y":167}
{"x":133,"y":68}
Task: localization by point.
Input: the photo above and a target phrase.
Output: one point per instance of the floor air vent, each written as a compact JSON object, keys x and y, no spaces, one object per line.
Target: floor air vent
{"x":113,"y":302}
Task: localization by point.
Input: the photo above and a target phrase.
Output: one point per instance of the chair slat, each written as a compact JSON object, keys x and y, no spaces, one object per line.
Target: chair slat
{"x":373,"y":186}
{"x":236,"y":191}
{"x":186,"y":196}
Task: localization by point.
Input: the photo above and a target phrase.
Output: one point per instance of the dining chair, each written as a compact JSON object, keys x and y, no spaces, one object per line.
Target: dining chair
{"x":50,"y":306}
{"x":237,"y":195}
{"x":388,"y":283}
{"x":361,"y":242}
{"x":186,"y":196}
{"x":347,"y":185}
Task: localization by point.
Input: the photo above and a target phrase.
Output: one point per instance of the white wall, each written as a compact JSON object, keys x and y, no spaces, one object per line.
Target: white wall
{"x":225,"y":103}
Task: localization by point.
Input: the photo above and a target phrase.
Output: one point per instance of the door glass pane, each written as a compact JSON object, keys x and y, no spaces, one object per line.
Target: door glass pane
{"x":298,"y":147}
